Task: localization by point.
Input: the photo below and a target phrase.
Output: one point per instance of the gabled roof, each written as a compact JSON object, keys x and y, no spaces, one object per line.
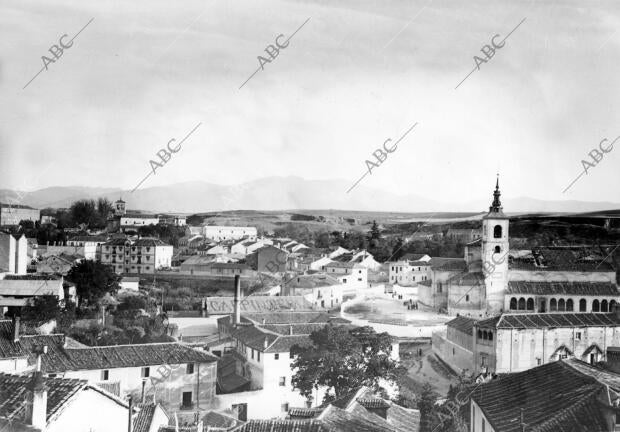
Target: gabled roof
{"x":355,"y":412}
{"x":30,"y":287}
{"x":558,"y":396}
{"x":551,"y":320}
{"x":462,"y":324}
{"x":566,"y":288}
{"x":143,"y":421}
{"x":60,"y":392}
{"x":448,"y":264}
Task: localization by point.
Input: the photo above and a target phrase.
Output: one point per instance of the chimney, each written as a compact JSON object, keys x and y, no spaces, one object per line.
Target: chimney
{"x":266,"y":343}
{"x":143,"y":392}
{"x":237,"y":300}
{"x":130,"y":420}
{"x":36,"y":409}
{"x":16,"y":320}
{"x":290,"y":329}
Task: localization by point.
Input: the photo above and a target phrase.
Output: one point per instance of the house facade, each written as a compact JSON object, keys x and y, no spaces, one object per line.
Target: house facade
{"x":142,"y":256}
{"x":219,"y":233}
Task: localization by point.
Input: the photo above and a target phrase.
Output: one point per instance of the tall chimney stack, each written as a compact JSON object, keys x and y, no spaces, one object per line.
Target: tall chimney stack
{"x":16,"y":322}
{"x":36,"y":409}
{"x":237,"y":300}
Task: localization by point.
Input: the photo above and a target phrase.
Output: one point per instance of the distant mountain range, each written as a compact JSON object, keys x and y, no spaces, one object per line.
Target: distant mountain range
{"x":284,"y":193}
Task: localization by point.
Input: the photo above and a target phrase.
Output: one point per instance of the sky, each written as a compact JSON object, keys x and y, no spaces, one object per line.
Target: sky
{"x":357,"y":73}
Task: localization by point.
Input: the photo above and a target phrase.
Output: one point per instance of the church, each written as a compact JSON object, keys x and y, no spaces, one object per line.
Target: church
{"x":492,"y":279}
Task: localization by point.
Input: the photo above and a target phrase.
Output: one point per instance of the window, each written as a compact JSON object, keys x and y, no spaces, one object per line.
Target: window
{"x":569,"y":305}
{"x":189,"y":369}
{"x":467,"y":297}
{"x":282,"y":381}
{"x":583,"y":305}
{"x":521,"y":303}
{"x":497,"y":231}
{"x":284,"y":407}
{"x":595,"y":306}
{"x":146,"y":371}
{"x":483,"y":425}
{"x":578,"y":335}
{"x":498,"y":249}
{"x":538,"y":361}
{"x":252,"y":353}
{"x":258,"y":356}
{"x":105,"y":375}
{"x":276,"y":356}
{"x":187,"y":400}
{"x":359,"y":279}
{"x":513,"y":303}
{"x":530,"y":304}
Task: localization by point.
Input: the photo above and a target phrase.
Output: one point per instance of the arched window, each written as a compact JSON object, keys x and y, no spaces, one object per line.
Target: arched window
{"x":604,"y":306}
{"x":553,"y":305}
{"x":530,"y":304}
{"x":595,"y":306}
{"x":513,"y":303}
{"x":484,"y":335}
{"x":583,"y":305}
{"x":497,"y":231}
{"x":490,"y":336}
{"x":569,"y":305}
{"x":479,"y":334}
{"x":612,"y":306}
{"x":521,"y":303}
{"x":561,"y":305}
{"x":498,"y":249}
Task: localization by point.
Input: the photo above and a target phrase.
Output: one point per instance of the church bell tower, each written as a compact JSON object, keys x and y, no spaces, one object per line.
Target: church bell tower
{"x":495,"y":248}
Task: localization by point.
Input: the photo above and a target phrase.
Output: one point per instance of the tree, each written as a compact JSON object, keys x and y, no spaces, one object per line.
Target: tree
{"x":374,"y":233}
{"x":426,"y":404}
{"x":341,"y":360}
{"x":93,"y":280}
{"x":41,"y":310}
{"x":104,"y":209}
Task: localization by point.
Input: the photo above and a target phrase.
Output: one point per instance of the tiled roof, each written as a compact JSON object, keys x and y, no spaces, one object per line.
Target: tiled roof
{"x":558,"y":396}
{"x":354,"y":412}
{"x":567,"y":288}
{"x":8,"y":348}
{"x":283,"y":426}
{"x":316,"y":280}
{"x":412,"y":257}
{"x":462,"y":324}
{"x":551,"y":320}
{"x":142,"y":421}
{"x":82,"y":238}
{"x":149,"y":242}
{"x":562,"y":259}
{"x":288,"y":317}
{"x":252,"y":304}
{"x":448,"y":264}
{"x":17,"y":206}
{"x":14,"y":394}
{"x":284,"y":343}
{"x":218,"y":420}
{"x":467,"y":278}
{"x":29,"y":287}
{"x":60,"y":359}
{"x":341,"y":264}
{"x":295,"y":329}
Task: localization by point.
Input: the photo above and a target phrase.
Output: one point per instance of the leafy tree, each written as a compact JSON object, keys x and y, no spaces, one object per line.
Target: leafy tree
{"x":104,"y":209}
{"x":41,"y":310}
{"x":374,"y":233}
{"x":93,"y":280}
{"x":341,"y":360}
{"x":426,"y":405}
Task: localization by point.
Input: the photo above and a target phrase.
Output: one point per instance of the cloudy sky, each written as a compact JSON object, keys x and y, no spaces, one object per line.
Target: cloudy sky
{"x":357,"y":73}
